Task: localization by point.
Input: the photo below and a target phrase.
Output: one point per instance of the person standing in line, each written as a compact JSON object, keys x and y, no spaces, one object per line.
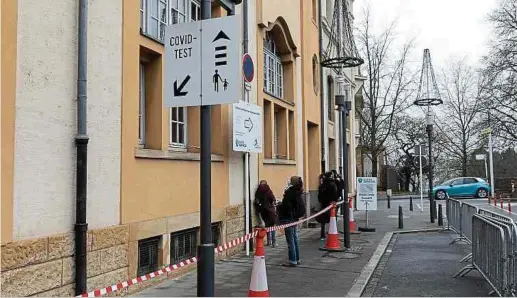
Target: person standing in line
{"x":327,"y":193}
{"x":265,"y":209}
{"x":290,"y":210}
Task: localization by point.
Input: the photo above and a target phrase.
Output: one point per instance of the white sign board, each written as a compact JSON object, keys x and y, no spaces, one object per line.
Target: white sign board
{"x":367,"y":193}
{"x":202,"y":62}
{"x":480,"y":156}
{"x":247,"y":127}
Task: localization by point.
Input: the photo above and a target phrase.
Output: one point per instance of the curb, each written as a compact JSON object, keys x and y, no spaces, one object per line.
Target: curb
{"x":362,"y":281}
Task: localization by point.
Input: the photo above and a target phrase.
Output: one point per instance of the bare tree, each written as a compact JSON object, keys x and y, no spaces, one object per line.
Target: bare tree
{"x":500,"y":72}
{"x":387,"y":88}
{"x":460,"y":121}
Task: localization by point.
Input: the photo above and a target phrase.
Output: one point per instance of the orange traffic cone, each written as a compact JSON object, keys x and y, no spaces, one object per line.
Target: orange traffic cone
{"x":332,"y":243}
{"x":258,"y":283}
{"x":351,"y":222}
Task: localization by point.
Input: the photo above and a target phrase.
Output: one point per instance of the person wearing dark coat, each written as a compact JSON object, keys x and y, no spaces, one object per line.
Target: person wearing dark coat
{"x":327,"y":193}
{"x":265,"y":207}
{"x":287,"y":215}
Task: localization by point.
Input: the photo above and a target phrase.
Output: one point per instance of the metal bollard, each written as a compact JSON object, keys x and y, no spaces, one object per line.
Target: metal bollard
{"x":389,"y":202}
{"x":509,"y":206}
{"x":410,"y":203}
{"x":435,"y":211}
{"x":495,"y":201}
{"x":488,"y":200}
{"x":401,"y":218}
{"x":501,"y":200}
{"x":440,"y":215}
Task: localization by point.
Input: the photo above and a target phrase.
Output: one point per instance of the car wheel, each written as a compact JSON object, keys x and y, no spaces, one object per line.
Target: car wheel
{"x":440,"y":195}
{"x":481,"y":193}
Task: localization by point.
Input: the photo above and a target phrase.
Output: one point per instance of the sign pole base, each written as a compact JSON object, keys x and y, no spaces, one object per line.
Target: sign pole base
{"x":367,"y":228}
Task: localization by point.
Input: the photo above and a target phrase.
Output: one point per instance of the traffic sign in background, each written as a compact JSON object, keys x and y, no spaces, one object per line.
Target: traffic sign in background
{"x":367,"y":193}
{"x":248,"y":69}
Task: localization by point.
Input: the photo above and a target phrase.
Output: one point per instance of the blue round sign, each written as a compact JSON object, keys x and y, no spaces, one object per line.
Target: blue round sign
{"x":247,"y":68}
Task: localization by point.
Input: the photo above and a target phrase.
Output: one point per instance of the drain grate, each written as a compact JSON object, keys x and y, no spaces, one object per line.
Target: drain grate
{"x":340,"y":255}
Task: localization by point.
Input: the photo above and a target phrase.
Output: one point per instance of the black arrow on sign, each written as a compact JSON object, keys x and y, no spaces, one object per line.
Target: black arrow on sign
{"x":179,"y":91}
{"x":248,"y":124}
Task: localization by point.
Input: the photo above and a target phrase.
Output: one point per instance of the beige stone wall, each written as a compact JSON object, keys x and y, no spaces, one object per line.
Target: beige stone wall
{"x":45,"y":266}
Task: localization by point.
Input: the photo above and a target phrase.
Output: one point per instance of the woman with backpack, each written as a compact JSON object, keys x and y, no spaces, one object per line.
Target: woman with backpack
{"x":265,"y":209}
{"x":327,"y":193}
{"x":292,"y":209}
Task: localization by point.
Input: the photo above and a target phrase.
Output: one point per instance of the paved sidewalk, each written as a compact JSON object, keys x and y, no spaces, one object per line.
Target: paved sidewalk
{"x":423,"y":265}
{"x":321,"y":274}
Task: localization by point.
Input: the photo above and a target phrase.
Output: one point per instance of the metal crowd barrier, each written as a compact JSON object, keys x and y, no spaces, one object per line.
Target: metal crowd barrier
{"x":494,"y":250}
{"x":455,"y":219}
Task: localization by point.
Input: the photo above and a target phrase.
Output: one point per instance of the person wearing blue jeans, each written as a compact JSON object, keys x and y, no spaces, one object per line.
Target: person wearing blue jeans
{"x":287,"y":214}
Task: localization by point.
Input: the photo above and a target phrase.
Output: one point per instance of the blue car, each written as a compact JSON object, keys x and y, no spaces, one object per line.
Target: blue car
{"x":462,"y":187}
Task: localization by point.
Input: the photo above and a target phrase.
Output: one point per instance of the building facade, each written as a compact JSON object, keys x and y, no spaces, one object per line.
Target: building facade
{"x":143,"y":159}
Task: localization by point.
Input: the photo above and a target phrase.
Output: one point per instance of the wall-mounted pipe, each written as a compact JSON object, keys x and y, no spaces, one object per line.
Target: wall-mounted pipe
{"x":323,"y":123}
{"x":81,"y":142}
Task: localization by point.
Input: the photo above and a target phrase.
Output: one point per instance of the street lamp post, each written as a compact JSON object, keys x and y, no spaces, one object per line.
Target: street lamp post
{"x":344,"y":106}
{"x":429,"y":130}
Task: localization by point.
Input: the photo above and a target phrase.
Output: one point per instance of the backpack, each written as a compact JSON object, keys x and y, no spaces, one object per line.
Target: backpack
{"x":300,"y":210}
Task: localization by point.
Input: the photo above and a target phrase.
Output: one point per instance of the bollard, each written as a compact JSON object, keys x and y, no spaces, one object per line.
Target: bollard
{"x":488,"y":200}
{"x":410,"y":203}
{"x":495,"y":201}
{"x":509,"y":206}
{"x":440,"y":215}
{"x":389,"y":202}
{"x":401,"y":218}
{"x":501,"y":201}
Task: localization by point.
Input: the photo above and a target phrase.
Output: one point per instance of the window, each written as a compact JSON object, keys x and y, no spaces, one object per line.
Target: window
{"x":330,"y":98}
{"x":273,"y":68}
{"x":154,"y":15}
{"x":458,"y":181}
{"x":178,"y":128}
{"x":141,"y":107}
{"x":469,"y":180}
{"x":183,"y":245}
{"x":148,"y":255}
{"x":216,"y":233}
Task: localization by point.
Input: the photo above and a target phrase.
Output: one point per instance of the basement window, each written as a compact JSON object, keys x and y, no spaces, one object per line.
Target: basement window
{"x":183,"y":245}
{"x":216,"y":233}
{"x":148,"y":255}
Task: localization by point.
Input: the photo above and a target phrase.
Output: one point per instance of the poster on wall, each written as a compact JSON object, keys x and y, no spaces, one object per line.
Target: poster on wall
{"x":247,"y":127}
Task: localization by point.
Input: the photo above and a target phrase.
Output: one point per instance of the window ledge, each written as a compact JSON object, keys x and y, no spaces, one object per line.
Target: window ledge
{"x":145,"y":34}
{"x":279,"y":162}
{"x":173,"y":155}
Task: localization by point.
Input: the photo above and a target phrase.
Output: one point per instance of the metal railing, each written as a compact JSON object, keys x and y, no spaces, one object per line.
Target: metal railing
{"x":494,"y":246}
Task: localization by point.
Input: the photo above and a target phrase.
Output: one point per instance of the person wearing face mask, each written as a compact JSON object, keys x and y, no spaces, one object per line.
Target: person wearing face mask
{"x":265,"y":208}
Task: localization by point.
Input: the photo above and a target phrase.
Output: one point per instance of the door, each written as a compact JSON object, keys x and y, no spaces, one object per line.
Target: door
{"x":455,"y":187}
{"x":468,"y":188}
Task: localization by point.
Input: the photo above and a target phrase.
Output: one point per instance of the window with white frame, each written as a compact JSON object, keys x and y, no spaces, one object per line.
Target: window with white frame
{"x":273,"y":69}
{"x":141,"y":107}
{"x":155,"y":15}
{"x":178,"y":128}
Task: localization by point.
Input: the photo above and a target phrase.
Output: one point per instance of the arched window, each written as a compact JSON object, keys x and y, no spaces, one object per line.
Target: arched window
{"x":273,"y":69}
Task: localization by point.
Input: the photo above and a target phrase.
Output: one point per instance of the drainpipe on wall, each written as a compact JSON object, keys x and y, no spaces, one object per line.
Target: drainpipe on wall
{"x":322,"y":94}
{"x":81,"y":142}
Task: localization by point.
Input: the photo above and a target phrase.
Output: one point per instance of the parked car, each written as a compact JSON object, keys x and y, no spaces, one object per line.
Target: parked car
{"x":462,"y":187}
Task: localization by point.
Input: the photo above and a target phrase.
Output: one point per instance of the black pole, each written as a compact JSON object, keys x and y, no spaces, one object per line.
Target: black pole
{"x":322,"y":94}
{"x":344,"y":108}
{"x":401,"y":218}
{"x":410,"y":203}
{"x":389,"y":202}
{"x":81,"y":143}
{"x":205,"y":265}
{"x":440,"y":215}
{"x":432,"y":209}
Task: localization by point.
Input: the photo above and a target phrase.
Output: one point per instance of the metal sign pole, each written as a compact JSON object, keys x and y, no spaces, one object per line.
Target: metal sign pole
{"x":205,"y":266}
{"x":421,"y":180}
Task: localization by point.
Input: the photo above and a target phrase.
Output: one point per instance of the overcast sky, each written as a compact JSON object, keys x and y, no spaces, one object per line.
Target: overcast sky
{"x":446,"y":27}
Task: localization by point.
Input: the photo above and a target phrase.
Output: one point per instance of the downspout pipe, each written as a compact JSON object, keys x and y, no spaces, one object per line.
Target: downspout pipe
{"x":322,"y":93}
{"x":81,"y":143}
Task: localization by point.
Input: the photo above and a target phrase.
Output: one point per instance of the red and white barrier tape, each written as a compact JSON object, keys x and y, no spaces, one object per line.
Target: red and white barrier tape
{"x":188,"y":262}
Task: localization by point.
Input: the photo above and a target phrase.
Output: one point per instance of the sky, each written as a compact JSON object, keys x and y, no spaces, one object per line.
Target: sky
{"x":447,"y":27}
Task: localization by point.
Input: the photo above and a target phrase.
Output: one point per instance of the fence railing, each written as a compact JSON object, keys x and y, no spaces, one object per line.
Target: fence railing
{"x":493,"y":238}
